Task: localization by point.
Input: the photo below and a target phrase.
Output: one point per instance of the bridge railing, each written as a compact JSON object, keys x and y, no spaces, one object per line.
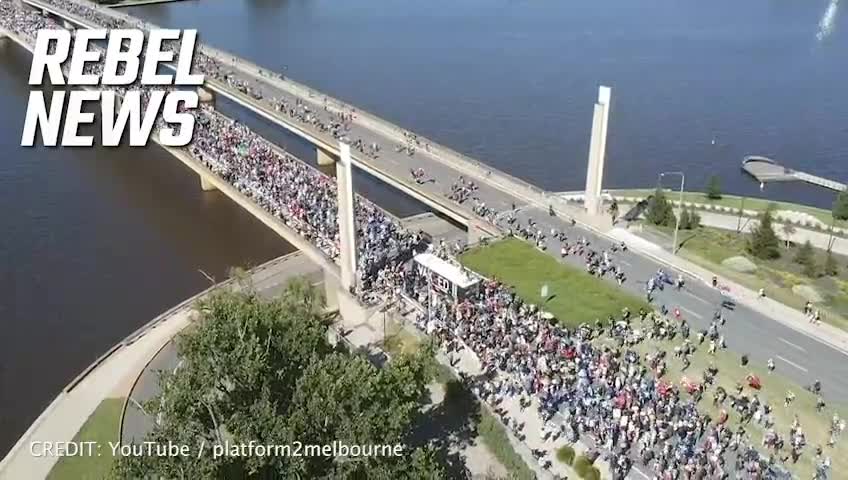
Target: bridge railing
{"x":465,"y":164}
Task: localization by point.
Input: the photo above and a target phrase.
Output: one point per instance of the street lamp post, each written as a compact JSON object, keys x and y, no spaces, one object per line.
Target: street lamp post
{"x":677,"y":223}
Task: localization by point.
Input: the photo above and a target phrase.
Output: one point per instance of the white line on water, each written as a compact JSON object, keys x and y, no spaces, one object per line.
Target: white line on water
{"x":790,"y":362}
{"x":791,"y":344}
{"x":690,"y":312}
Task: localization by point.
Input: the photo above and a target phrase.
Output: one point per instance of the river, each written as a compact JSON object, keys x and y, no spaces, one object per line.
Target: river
{"x":98,"y":241}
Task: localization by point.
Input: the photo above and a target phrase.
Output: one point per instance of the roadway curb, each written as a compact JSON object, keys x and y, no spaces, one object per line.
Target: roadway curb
{"x":138,"y":377}
{"x":823,"y":337}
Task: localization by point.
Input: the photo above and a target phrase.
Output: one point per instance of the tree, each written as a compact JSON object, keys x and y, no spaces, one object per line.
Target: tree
{"x":806,"y":254}
{"x":788,"y":231}
{"x":840,"y":206}
{"x":660,"y":211}
{"x":714,"y":188}
{"x":263,"y":372}
{"x":764,"y":242}
{"x":830,"y":268}
{"x":684,"y":219}
{"x":694,"y":220}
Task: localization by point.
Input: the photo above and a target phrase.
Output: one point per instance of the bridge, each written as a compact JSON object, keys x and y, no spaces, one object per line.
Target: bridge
{"x":766,"y":170}
{"x":338,"y":279}
{"x":499,"y":189}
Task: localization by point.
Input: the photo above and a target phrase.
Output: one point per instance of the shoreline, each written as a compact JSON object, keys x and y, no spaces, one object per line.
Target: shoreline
{"x":100,"y":380}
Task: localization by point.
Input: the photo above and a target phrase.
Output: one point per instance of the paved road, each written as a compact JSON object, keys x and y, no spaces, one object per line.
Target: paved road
{"x":268,"y":284}
{"x":798,"y":356}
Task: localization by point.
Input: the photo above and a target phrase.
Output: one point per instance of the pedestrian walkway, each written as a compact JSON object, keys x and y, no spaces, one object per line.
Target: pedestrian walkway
{"x":773,"y":309}
{"x":114,"y":375}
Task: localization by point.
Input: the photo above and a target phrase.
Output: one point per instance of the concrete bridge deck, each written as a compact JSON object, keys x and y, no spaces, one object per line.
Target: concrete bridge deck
{"x":767,"y":170}
{"x":439,"y":163}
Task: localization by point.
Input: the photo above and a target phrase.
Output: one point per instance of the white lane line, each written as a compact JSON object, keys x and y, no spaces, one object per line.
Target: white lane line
{"x":791,"y":344}
{"x":690,"y":312}
{"x":696,"y":297}
{"x":790,"y":362}
{"x":625,"y":263}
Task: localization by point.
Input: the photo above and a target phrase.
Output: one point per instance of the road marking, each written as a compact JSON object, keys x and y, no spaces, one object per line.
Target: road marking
{"x":625,"y":263}
{"x":790,"y":362}
{"x":696,"y":297}
{"x":791,"y":344}
{"x":690,"y":312}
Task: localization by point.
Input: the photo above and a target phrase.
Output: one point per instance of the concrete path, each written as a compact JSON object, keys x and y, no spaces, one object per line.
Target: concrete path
{"x":268,"y":283}
{"x":817,"y":239}
{"x":115,"y":376}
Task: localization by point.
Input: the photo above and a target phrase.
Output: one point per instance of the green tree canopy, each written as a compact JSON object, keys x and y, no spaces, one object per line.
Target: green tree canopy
{"x":684,"y":219}
{"x":831,"y":267}
{"x":263,"y":371}
{"x":840,"y":206}
{"x":714,"y":188}
{"x":806,"y":255}
{"x":660,"y":211}
{"x":763,"y":242}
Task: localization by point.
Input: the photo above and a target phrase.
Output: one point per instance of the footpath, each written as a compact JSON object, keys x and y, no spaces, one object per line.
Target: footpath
{"x":113,"y":375}
{"x":775,"y":310}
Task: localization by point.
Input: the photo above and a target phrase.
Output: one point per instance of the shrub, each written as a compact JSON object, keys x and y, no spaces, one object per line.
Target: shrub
{"x":592,"y":474}
{"x":763,"y":242}
{"x":714,"y":188}
{"x":582,"y":465}
{"x":565,"y":454}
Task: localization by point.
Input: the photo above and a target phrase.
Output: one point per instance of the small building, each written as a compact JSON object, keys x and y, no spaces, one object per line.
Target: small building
{"x":445,"y":277}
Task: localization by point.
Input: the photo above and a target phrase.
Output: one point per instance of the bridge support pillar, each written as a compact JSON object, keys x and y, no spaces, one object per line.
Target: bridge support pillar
{"x":324,"y":157}
{"x":347,"y":227}
{"x":206,"y":185}
{"x":205,"y":96}
{"x":597,"y":152}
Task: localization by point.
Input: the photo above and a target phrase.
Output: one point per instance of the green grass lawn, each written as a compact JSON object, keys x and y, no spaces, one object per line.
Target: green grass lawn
{"x":519,"y":264}
{"x":576,"y":296}
{"x":774,"y":388}
{"x":494,"y":436}
{"x":733,"y":201}
{"x":489,"y":429}
{"x":710,"y":246}
{"x":101,"y":427}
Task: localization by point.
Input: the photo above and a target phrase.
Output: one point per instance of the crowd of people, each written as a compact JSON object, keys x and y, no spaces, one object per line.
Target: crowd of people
{"x":591,"y":382}
{"x":605,"y":392}
{"x":302,"y":197}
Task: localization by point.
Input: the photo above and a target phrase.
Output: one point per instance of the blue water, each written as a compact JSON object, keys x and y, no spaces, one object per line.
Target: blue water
{"x":513,"y":82}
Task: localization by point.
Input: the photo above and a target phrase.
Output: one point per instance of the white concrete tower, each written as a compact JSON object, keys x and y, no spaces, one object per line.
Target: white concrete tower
{"x":597,"y":152}
{"x":347,"y":228}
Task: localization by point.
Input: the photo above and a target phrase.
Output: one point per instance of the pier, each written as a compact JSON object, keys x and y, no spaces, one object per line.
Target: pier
{"x":767,"y":170}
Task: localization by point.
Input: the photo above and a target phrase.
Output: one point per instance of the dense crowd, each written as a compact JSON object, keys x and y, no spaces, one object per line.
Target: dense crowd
{"x":607,"y":392}
{"x":324,"y":120}
{"x":302,"y":197}
{"x":592,"y":383}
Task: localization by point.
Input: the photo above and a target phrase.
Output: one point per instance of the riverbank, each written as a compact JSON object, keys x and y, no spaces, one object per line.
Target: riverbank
{"x":112,"y":376}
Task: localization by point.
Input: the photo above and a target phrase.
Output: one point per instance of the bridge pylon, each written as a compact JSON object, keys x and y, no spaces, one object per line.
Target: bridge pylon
{"x":347,"y":226}
{"x":597,"y":152}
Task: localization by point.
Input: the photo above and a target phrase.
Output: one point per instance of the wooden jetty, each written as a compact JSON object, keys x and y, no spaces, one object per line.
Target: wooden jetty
{"x":767,"y":170}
